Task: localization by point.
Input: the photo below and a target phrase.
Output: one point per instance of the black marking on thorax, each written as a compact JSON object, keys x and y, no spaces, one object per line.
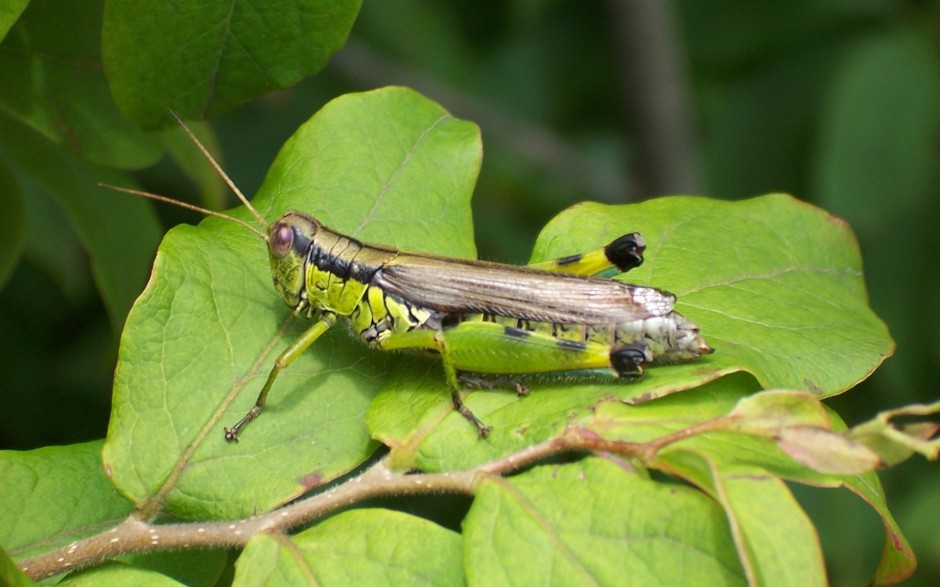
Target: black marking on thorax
{"x":343,"y":263}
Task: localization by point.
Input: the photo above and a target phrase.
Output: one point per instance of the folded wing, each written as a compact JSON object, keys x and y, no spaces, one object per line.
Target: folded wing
{"x":460,"y":286}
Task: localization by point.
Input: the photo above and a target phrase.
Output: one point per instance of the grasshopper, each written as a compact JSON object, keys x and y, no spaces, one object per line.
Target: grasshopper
{"x":490,"y":323}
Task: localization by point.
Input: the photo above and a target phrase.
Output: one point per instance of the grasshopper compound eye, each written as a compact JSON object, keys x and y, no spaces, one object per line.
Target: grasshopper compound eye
{"x":282,"y":237}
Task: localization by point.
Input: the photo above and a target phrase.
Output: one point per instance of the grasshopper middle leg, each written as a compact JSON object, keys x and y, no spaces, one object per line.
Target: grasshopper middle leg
{"x":483,"y":347}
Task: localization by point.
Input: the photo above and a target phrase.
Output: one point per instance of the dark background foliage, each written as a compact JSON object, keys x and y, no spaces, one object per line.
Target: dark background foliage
{"x":836,"y":102}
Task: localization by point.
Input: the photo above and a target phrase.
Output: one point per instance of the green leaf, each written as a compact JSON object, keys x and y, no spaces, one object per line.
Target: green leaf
{"x":778,"y":291}
{"x":53,"y":496}
{"x":192,"y":356}
{"x":879,"y":128}
{"x":775,"y":284}
{"x":898,"y":561}
{"x":776,"y":542}
{"x":202,"y":59}
{"x":595,"y":522}
{"x":9,"y":12}
{"x":119,"y":232}
{"x":360,"y":547}
{"x":51,"y":79}
{"x":10,"y":574}
{"x":12,"y":223}
{"x":195,"y":568}
{"x":121,"y":574}
{"x":727,"y":451}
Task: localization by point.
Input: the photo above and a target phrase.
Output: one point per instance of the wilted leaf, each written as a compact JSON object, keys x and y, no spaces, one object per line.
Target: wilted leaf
{"x":826,"y":452}
{"x":773,"y":410}
{"x":897,"y":442}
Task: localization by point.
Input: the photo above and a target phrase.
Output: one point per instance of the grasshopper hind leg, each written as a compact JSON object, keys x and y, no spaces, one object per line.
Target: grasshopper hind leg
{"x":470,"y":380}
{"x":488,"y":353}
{"x":621,"y":255}
{"x":626,"y":363}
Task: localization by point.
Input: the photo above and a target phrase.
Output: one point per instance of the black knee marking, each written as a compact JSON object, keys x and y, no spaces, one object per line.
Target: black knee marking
{"x":626,"y":252}
{"x":628,"y":360}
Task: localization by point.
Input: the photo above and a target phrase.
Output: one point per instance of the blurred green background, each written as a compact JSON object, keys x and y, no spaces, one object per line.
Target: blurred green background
{"x":834,"y":101}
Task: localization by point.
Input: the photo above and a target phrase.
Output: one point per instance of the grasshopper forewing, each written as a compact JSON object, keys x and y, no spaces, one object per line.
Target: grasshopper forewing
{"x":488,"y":321}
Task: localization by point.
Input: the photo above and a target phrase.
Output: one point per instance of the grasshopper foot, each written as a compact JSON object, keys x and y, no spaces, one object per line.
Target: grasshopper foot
{"x":231,"y":434}
{"x":482,"y":429}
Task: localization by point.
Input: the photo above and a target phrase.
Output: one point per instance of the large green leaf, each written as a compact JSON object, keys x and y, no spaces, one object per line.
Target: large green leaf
{"x":115,"y":573}
{"x":362,"y":547}
{"x":118,"y":232}
{"x":596,"y":523}
{"x":51,"y":79}
{"x":12,"y":223}
{"x":775,"y":285}
{"x":53,"y":496}
{"x":192,"y":355}
{"x":205,"y":58}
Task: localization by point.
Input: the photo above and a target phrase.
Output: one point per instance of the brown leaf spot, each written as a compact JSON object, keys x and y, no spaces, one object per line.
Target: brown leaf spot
{"x":311,"y":480}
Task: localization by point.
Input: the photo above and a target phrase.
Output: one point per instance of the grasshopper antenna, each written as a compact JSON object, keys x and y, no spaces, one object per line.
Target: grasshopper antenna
{"x":187,"y":205}
{"x":193,"y":207}
{"x":221,"y":172}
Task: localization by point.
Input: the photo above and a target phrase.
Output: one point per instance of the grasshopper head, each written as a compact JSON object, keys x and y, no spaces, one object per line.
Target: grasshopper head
{"x":289,"y":241}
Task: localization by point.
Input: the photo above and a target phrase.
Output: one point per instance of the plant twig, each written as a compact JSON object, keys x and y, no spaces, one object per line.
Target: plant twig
{"x":537,"y":143}
{"x":135,"y":534}
{"x":654,"y":89}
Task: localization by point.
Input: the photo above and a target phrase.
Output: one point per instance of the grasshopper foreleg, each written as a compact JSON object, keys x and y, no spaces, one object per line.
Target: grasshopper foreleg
{"x":326,"y":321}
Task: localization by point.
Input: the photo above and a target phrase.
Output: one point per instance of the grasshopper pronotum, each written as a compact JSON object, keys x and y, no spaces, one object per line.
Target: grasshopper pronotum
{"x":489,"y":322}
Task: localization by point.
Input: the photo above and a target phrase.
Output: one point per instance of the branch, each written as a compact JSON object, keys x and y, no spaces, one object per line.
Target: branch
{"x":775,"y":415}
{"x":135,"y":534}
{"x":539,"y":144}
{"x":654,"y":89}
